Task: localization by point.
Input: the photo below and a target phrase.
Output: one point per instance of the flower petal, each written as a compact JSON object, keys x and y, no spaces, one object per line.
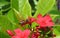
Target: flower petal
{"x":10,"y":32}
{"x":26,"y":33}
{"x":18,"y":31}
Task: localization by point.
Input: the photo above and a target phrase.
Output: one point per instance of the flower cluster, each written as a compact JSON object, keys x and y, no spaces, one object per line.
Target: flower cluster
{"x":45,"y":21}
{"x":45,"y":25}
{"x":19,"y":33}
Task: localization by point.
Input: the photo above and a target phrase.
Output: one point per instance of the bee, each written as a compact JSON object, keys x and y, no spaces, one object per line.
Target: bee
{"x":24,"y":22}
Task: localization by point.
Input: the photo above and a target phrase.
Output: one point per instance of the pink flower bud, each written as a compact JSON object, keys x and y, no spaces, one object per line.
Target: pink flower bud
{"x":10,"y":32}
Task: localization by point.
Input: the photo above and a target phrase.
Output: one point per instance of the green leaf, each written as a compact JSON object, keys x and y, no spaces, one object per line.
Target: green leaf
{"x":53,"y":16}
{"x":22,"y":6}
{"x":11,"y":16}
{"x":44,"y":7}
{"x":3,"y":3}
{"x":4,"y":35}
{"x":6,"y":24}
{"x":34,"y":25}
{"x":35,"y":1}
{"x":54,"y":13}
{"x":25,"y":8}
{"x":18,"y":15}
{"x":56,"y":30}
{"x":15,"y":4}
{"x":0,"y":13}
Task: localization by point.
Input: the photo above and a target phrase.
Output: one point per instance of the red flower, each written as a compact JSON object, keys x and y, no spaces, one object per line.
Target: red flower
{"x":10,"y":32}
{"x":45,"y":21}
{"x":21,"y":34}
{"x":35,"y":35}
{"x":31,"y":20}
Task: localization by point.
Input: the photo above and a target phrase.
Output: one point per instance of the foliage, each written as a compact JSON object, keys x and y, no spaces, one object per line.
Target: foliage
{"x":13,"y":11}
